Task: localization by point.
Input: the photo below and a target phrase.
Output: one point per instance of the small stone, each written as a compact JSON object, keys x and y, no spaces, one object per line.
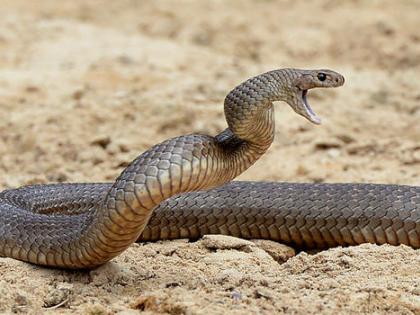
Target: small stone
{"x":21,"y":300}
{"x":78,"y":94}
{"x":263,"y":293}
{"x":124,"y":147}
{"x":302,"y":170}
{"x":58,"y":295}
{"x":333,"y":153}
{"x":280,"y":252}
{"x":103,"y":142}
{"x":346,"y":261}
{"x":145,"y":303}
{"x":126,"y":60}
{"x":58,"y":177}
{"x":96,"y":309}
{"x":226,"y":242}
{"x":345,"y":138}
{"x":236,"y":295}
{"x":326,"y":145}
{"x":32,"y":89}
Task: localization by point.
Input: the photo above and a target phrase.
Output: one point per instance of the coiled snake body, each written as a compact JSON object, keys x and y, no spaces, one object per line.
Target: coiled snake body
{"x":85,"y":225}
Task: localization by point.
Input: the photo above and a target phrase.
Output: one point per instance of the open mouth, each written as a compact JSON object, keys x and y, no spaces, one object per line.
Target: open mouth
{"x":310,"y":114}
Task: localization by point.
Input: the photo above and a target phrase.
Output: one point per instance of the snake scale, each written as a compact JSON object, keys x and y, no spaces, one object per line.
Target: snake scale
{"x":180,"y":189}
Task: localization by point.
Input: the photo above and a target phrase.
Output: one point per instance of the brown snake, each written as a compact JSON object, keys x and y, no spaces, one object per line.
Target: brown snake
{"x":85,"y":225}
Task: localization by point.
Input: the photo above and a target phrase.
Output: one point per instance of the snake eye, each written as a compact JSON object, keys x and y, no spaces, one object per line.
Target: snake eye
{"x":322,"y":76}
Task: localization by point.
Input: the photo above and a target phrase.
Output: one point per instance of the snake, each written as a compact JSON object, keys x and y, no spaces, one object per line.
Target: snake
{"x":183,"y":188}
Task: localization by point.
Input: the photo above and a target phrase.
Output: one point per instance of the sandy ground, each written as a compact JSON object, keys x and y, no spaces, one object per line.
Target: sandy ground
{"x":86,"y":86}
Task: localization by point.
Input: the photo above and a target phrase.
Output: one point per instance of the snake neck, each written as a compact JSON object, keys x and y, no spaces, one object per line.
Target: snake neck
{"x":249,"y":108}
{"x":239,"y":153}
{"x":250,"y":116}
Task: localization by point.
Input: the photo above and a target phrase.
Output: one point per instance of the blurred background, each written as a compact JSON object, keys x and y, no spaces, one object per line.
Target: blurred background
{"x":86,"y":86}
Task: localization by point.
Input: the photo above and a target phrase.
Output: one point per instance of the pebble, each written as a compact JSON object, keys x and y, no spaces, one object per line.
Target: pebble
{"x":226,"y":242}
{"x":280,"y":252}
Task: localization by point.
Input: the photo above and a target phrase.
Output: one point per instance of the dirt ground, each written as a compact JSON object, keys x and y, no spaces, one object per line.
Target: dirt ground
{"x":86,"y":86}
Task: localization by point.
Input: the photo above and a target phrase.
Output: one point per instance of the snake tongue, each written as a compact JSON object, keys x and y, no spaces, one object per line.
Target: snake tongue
{"x":309,"y":113}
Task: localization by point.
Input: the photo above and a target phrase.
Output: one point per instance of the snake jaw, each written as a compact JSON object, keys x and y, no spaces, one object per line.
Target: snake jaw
{"x":307,"y":110}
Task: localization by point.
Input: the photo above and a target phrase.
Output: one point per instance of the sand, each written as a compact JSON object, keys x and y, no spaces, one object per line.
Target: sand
{"x":86,"y":86}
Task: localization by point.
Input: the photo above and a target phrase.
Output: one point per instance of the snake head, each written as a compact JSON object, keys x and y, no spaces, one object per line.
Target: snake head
{"x":306,"y":80}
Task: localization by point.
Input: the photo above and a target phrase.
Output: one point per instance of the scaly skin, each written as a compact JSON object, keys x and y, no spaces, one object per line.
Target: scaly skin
{"x":307,"y":216}
{"x":85,"y":225}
